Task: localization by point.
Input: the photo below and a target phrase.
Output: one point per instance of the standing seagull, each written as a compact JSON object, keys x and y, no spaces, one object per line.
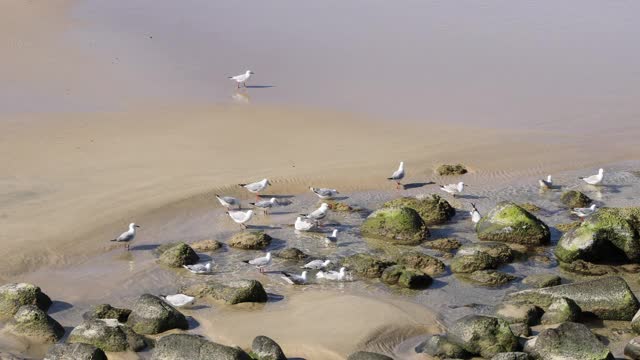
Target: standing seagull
{"x":332,"y":239}
{"x":398,"y":175}
{"x":303,"y":224}
{"x":241,"y":217}
{"x":324,"y":193}
{"x":318,"y":214}
{"x":594,"y":179}
{"x":475,"y":214}
{"x":294,"y":279}
{"x":316,"y":264}
{"x":228,"y":201}
{"x":453,"y":188}
{"x":128,"y":235}
{"x":265,"y":205}
{"x":261,"y":262}
{"x":584,"y":212}
{"x":242,"y":78}
{"x":256,"y":187}
{"x":546,"y":184}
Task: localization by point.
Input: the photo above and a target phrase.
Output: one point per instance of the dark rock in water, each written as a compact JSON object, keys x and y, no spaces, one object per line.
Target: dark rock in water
{"x":265,"y":348}
{"x":448,"y":169}
{"x":508,"y":222}
{"x":483,"y":335}
{"x":14,"y":295}
{"x":497,"y":250}
{"x":607,"y":298}
{"x":511,"y":356}
{"x":520,"y":329}
{"x":575,"y":199}
{"x":542,"y":280}
{"x":193,"y":347}
{"x":206,"y":245}
{"x":407,"y":278}
{"x":567,"y":341}
{"x":366,"y":265}
{"x":446,"y":244}
{"x":106,"y":311}
{"x":561,"y":310}
{"x":233,"y":292}
{"x":32,"y":322}
{"x":250,"y":240}
{"x":518,"y":313}
{"x":152,"y":315}
{"x":107,"y":335}
{"x":471,"y":263}
{"x":423,"y":262}
{"x":632,"y":350}
{"x":398,"y":225}
{"x":365,"y":355}
{"x":179,"y":255}
{"x":75,"y":352}
{"x":440,"y":347}
{"x":291,"y":254}
{"x":490,"y":278}
{"x":433,"y":210}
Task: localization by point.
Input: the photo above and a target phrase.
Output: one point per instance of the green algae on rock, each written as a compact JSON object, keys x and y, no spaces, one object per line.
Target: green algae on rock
{"x":106,"y":311}
{"x":530,"y":207}
{"x":542,"y":280}
{"x":265,"y":348}
{"x":483,"y":335}
{"x":250,"y":240}
{"x":446,"y":244}
{"x":107,"y":335}
{"x":515,"y":313}
{"x":568,"y":226}
{"x":194,"y":347}
{"x":489,"y":278}
{"x":15,"y":295}
{"x":561,"y":310}
{"x":152,"y":315}
{"x":423,"y":262}
{"x":471,"y":263}
{"x":567,"y":341}
{"x":233,"y":292}
{"x":366,"y":265}
{"x":508,"y":222}
{"x":399,"y":225}
{"x":440,"y":347}
{"x":406,"y":278}
{"x":207,"y":245}
{"x":433,"y":210}
{"x":75,"y":352}
{"x":575,"y":199}
{"x":178,"y":255}
{"x":448,"y":169}
{"x":497,"y":250}
{"x":32,"y":322}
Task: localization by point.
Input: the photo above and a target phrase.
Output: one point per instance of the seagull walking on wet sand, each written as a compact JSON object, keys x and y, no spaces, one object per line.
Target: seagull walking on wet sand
{"x":228,"y":201}
{"x":584,"y":212}
{"x":318,"y":214}
{"x":241,"y":217}
{"x":324,"y":193}
{"x":256,"y":187}
{"x":294,"y":279}
{"x":242,"y":78}
{"x":128,"y":236}
{"x":333,"y":275}
{"x":199,"y":268}
{"x":475,"y":214}
{"x":316,"y":264}
{"x":332,"y":239}
{"x":261,"y":262}
{"x":546,"y":184}
{"x":303,"y":224}
{"x":398,"y":175}
{"x":594,"y":179}
{"x":453,"y":189}
{"x":178,"y":300}
{"x":265,"y":205}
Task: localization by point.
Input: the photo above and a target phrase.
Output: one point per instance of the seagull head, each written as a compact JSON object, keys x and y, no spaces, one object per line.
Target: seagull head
{"x":460,"y":186}
{"x":304,"y":274}
{"x":401,"y":164}
{"x":593,"y":207}
{"x":268,"y":256}
{"x":208,"y":265}
{"x":324,"y":206}
{"x":326,"y":262}
{"x":342,"y":270}
{"x":249,"y":72}
{"x":266,"y":181}
{"x":133,"y":225}
{"x":335,"y":232}
{"x":601,"y":171}
{"x":273,"y":200}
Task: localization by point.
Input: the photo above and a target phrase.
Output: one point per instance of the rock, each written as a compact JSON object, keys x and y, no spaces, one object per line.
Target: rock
{"x":151,"y":315}
{"x":447,"y":169}
{"x":433,"y":210}
{"x":107,"y":335}
{"x":607,"y":298}
{"x":499,"y":251}
{"x":610,"y":235}
{"x":575,"y":199}
{"x":423,"y":262}
{"x":508,"y":222}
{"x":440,"y":347}
{"x":365,"y":355}
{"x":194,"y":347}
{"x":403,"y":277}
{"x":399,"y":225}
{"x":542,"y":280}
{"x":511,"y":356}
{"x":489,"y":277}
{"x":75,"y":352}
{"x":520,"y":329}
{"x":266,"y":349}
{"x":446,"y":244}
{"x":341,"y":207}
{"x":586,"y":268}
{"x":206,"y":245}
{"x":567,"y":341}
{"x":366,"y":265}
{"x":632,"y":349}
{"x":250,"y":240}
{"x":518,"y":313}
{"x":568,"y":226}
{"x":13,"y":296}
{"x":106,"y":311}
{"x":471,"y":263}
{"x":290,"y":254}
{"x":530,"y":207}
{"x":483,"y":335}
{"x":233,"y":292}
{"x":561,"y":310}
{"x":635,"y":322}
{"x":32,"y":322}
{"x":178,"y":255}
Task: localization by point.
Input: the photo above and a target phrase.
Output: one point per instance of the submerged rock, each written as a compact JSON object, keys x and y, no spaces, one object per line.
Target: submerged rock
{"x":233,"y":292}
{"x":152,"y":315}
{"x":483,"y":335}
{"x":433,"y":210}
{"x":407,"y":278}
{"x":567,"y":341}
{"x":206,"y":245}
{"x":497,"y":250}
{"x":365,"y":355}
{"x":561,"y":310}
{"x":106,"y":311}
{"x":508,"y":222}
{"x":14,"y":295}
{"x":107,"y":335}
{"x":75,"y":352}
{"x":471,"y":263}
{"x":178,"y":255}
{"x":448,"y":169}
{"x":399,"y":225}
{"x":193,"y":347}
{"x":264,"y":348}
{"x":250,"y":240}
{"x":440,"y":347}
{"x":446,"y":244}
{"x":490,"y":277}
{"x":423,"y":262}
{"x":589,"y":269}
{"x":542,"y":280}
{"x":291,"y":254}
{"x":575,"y":199}
{"x":32,"y":322}
{"x":366,"y":265}
{"x":511,"y":356}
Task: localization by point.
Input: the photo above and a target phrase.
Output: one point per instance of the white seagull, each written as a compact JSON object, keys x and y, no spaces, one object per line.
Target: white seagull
{"x":199,"y":268}
{"x":453,"y":189}
{"x":398,"y":175}
{"x":316,"y":264}
{"x":256,"y":187}
{"x":127,"y":236}
{"x":546,"y":184}
{"x":333,"y":238}
{"x":294,"y":279}
{"x":242,"y":78}
{"x":318,"y":214}
{"x":594,"y":179}
{"x":265,"y":205}
{"x":241,"y":217}
{"x":324,"y":193}
{"x":333,"y":275}
{"x":261,"y":262}
{"x":228,"y":201}
{"x":475,"y":214}
{"x":178,"y":300}
{"x":584,"y":212}
{"x":303,"y":224}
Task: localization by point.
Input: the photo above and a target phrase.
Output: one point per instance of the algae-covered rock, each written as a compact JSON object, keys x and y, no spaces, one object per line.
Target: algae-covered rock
{"x":107,"y":335}
{"x":366,"y":355}
{"x":446,"y":244}
{"x":178,"y":255}
{"x":32,"y":322}
{"x":106,"y":311}
{"x":561,"y":310}
{"x":567,"y":341}
{"x":542,"y":280}
{"x":575,"y":199}
{"x":403,"y":277}
{"x":497,"y":250}
{"x":530,"y":207}
{"x":366,"y":265}
{"x":152,"y":315}
{"x":568,"y":226}
{"x":511,"y":356}
{"x":440,"y":347}
{"x":433,"y":210}
{"x":589,"y":269}
{"x":608,"y":298}
{"x":250,"y":240}
{"x":74,"y":352}
{"x":508,"y":222}
{"x":423,"y":262}
{"x":233,"y":292}
{"x":207,"y":245}
{"x":514,"y":313}
{"x":265,"y":348}
{"x":290,"y":254}
{"x":483,"y":335}
{"x":448,"y":169}
{"x":399,"y":225}
{"x":489,"y":278}
{"x":194,"y":347}
{"x":14,"y":295}
{"x":520,"y":329}
{"x":471,"y":263}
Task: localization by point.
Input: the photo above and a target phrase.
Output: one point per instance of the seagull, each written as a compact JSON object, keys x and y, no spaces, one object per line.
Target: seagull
{"x":584,"y":212}
{"x":241,"y":217}
{"x":242,"y":78}
{"x":294,"y":279}
{"x":475,"y":214}
{"x":316,"y":264}
{"x":178,"y":300}
{"x":324,"y":193}
{"x":265,"y":205}
{"x":261,"y":262}
{"x":199,"y":268}
{"x":303,"y":224}
{"x":128,"y":235}
{"x":398,"y":175}
{"x":594,"y":179}
{"x":333,"y":238}
{"x":256,"y":187}
{"x":453,"y":188}
{"x":228,"y":201}
{"x":318,"y":214}
{"x":332,"y":275}
{"x":546,"y":184}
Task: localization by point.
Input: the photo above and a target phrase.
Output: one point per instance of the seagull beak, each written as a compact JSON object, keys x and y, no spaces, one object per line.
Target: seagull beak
{"x":137,"y":226}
